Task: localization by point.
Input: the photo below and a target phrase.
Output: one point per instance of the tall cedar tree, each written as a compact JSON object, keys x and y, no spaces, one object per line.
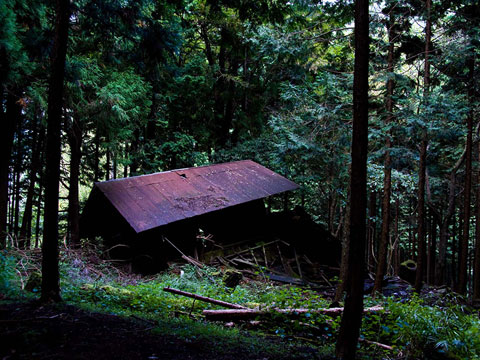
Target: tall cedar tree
{"x":463,"y":266}
{"x":74,"y":134}
{"x":387,"y":180}
{"x":352,"y":316}
{"x":423,"y":157}
{"x":50,"y":273}
{"x":8,"y":123}
{"x":476,"y":266}
{"x":35,"y":165}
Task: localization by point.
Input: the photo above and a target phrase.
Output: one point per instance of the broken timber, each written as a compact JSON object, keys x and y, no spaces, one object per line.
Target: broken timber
{"x":205,"y":299}
{"x":249,"y":314}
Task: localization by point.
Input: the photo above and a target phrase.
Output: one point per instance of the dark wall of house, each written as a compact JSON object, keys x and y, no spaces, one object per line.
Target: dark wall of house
{"x":297,"y":228}
{"x":152,"y":250}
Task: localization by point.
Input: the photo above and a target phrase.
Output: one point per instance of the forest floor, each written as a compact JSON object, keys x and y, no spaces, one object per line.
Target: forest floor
{"x":61,"y":331}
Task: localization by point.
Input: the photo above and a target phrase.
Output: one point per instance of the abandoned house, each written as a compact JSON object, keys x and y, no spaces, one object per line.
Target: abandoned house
{"x":196,"y":209}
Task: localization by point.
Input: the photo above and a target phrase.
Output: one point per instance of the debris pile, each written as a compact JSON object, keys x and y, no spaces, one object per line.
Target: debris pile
{"x":275,"y":260}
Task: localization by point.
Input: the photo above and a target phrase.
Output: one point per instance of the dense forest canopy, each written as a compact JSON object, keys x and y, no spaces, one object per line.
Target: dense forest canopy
{"x":100,"y":90}
{"x":152,"y":86}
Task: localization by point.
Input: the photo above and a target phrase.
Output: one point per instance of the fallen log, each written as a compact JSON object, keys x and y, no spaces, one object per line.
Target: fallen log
{"x":192,"y":261}
{"x":249,"y":314}
{"x":383,"y":346}
{"x":204,"y":298}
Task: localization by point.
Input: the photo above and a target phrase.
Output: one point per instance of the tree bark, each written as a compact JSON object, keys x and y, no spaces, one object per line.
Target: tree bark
{"x":7,"y":130}
{"x":205,"y":299}
{"x":75,"y":141}
{"x":251,"y":314}
{"x":18,"y":188}
{"x":343,"y":276}
{"x":352,"y":317}
{"x":463,"y":266}
{"x":26,"y":229}
{"x":387,"y":170}
{"x":421,"y":216}
{"x":476,"y":266}
{"x":423,"y":158}
{"x":440,"y":264}
{"x":39,"y":214}
{"x":372,"y":231}
{"x":432,"y":252}
{"x":96,"y":163}
{"x":50,"y":271}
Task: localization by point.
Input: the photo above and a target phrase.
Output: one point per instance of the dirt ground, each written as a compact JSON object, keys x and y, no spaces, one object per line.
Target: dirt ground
{"x":31,"y":331}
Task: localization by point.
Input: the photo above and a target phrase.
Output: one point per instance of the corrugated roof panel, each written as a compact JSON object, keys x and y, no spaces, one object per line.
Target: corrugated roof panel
{"x":149,"y":201}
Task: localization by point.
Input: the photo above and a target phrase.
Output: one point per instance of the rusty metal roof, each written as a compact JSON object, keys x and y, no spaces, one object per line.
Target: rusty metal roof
{"x":150,"y":201}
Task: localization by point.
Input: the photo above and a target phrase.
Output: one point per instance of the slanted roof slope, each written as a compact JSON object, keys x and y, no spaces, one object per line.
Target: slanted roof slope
{"x":150,"y":201}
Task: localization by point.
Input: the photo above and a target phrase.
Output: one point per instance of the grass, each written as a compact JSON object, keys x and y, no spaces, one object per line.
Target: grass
{"x":414,"y":328}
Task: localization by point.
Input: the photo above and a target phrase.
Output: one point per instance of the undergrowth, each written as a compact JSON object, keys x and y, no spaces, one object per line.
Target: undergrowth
{"x":414,"y":328}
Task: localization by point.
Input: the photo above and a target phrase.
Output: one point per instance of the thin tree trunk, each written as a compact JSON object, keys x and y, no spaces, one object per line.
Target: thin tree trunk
{"x":432,"y":252}
{"x":39,"y":216}
{"x":455,"y":231}
{"x":396,"y":255}
{"x":125,"y":167}
{"x":107,"y":163}
{"x":423,"y":159}
{"x":372,"y":231}
{"x":133,"y":152}
{"x":387,"y":179}
{"x":346,"y":346}
{"x":96,"y":164}
{"x":11,"y":199}
{"x":50,"y":271}
{"x":440,"y":264}
{"x":463,"y":268}
{"x":7,"y":130}
{"x":343,"y":276}
{"x":421,"y":217}
{"x":75,"y":142}
{"x":115,"y":165}
{"x":476,"y":267}
{"x":18,"y":188}
{"x":25,"y":230}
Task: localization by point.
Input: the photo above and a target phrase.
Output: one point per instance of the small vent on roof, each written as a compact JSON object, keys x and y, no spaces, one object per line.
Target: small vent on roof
{"x":183,"y":175}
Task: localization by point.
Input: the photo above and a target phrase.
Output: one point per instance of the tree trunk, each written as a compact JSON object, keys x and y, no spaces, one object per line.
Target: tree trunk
{"x":476,"y":266}
{"x":432,"y":252}
{"x":96,"y":164}
{"x":372,"y":231}
{"x":25,"y":230}
{"x":50,"y":271}
{"x":125,"y":166}
{"x":440,"y":264}
{"x":463,"y":266}
{"x":396,"y":253}
{"x":423,"y":158}
{"x":133,"y":152}
{"x":7,"y":130}
{"x":352,"y":317}
{"x":18,"y":187}
{"x":343,"y":276}
{"x":387,"y":179}
{"x":107,"y":163}
{"x":421,"y":216}
{"x":75,"y":141}
{"x":39,"y":214}
{"x":456,"y":228}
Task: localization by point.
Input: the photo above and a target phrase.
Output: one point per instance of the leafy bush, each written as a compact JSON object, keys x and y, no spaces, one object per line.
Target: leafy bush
{"x":10,"y":284}
{"x":418,"y":330}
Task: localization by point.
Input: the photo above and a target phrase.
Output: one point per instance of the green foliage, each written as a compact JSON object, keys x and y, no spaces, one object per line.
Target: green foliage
{"x":416,"y":329}
{"x":436,"y":326}
{"x":10,"y":284}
